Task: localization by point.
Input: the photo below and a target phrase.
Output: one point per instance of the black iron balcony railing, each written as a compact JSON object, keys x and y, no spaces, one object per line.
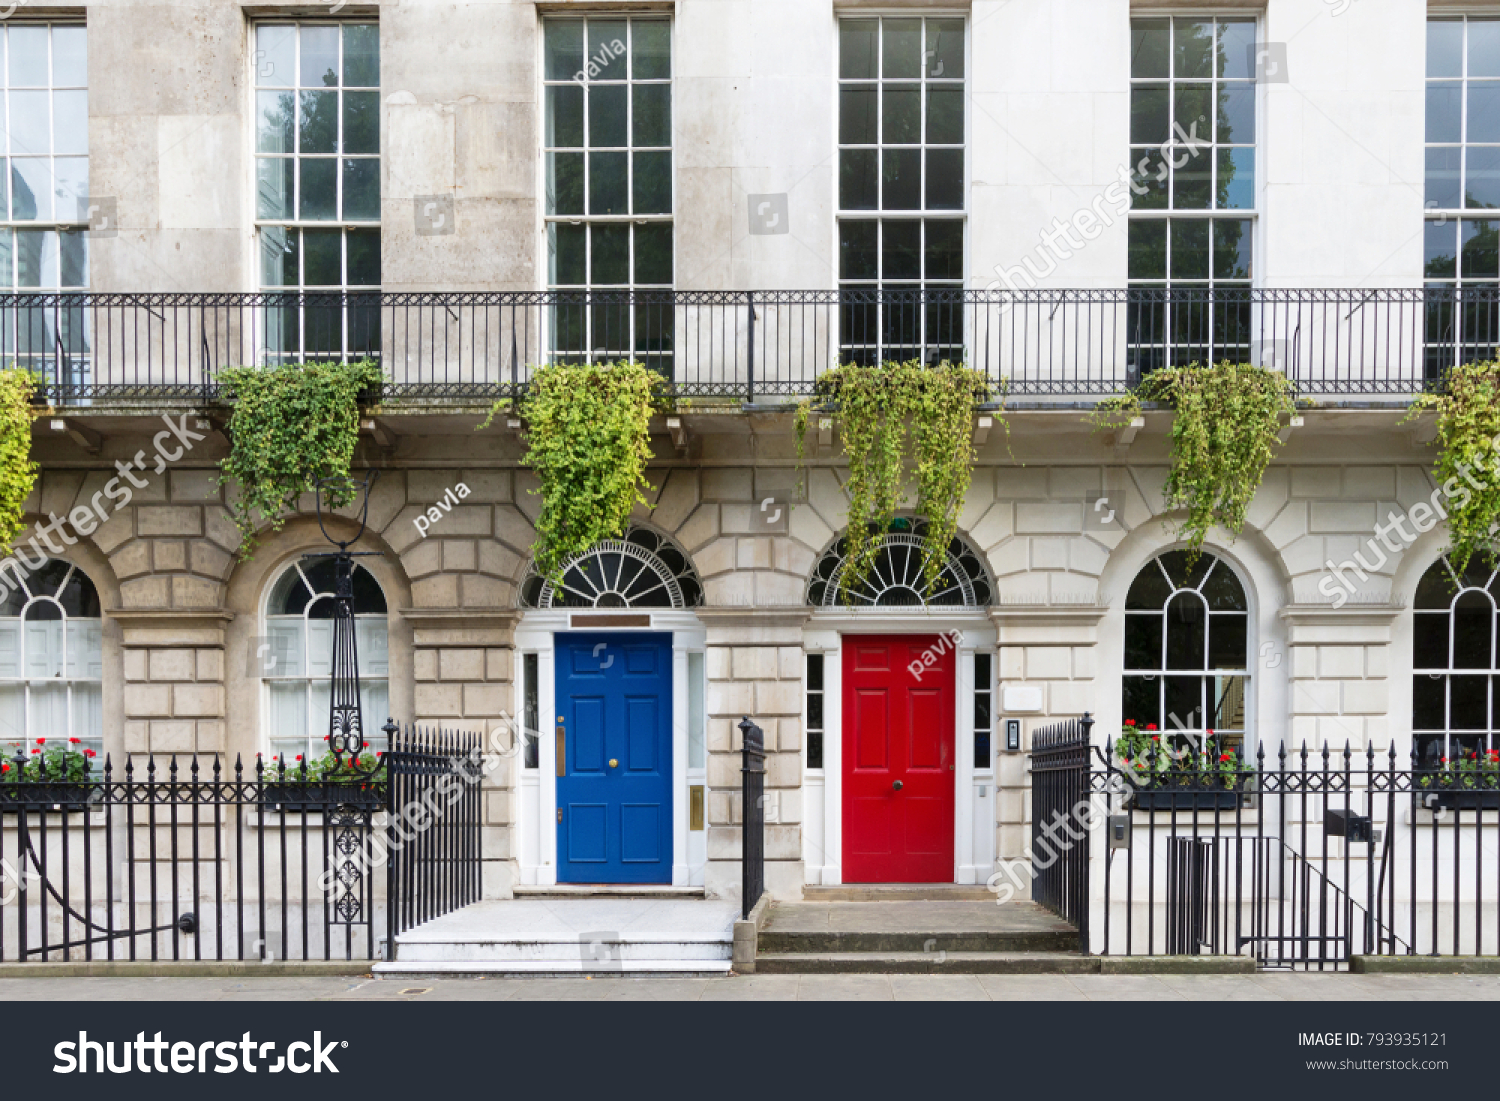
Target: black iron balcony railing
{"x":750,"y":345}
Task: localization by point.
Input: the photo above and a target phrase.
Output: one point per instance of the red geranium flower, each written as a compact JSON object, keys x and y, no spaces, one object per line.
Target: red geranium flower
{"x":1225,"y":756}
{"x":35,"y":751}
{"x":1150,"y":726}
{"x":41,"y":741}
{"x":299,"y":756}
{"x":1156,"y":737}
{"x":89,"y":753}
{"x":1129,"y":722}
{"x":4,"y":767}
{"x":74,"y":741}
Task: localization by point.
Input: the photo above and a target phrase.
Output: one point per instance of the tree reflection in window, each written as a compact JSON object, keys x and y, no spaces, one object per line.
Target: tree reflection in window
{"x":1186,"y":644}
{"x":1454,"y":676}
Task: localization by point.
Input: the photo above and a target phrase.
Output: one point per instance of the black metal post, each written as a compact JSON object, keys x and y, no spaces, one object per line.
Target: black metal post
{"x":753,"y":788}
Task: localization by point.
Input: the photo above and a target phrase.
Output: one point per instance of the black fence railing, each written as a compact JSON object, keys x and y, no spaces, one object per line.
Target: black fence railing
{"x":173,"y":861}
{"x":753,"y":793}
{"x":1060,"y":782}
{"x":432,"y":826}
{"x":750,"y":345}
{"x":177,"y":860}
{"x":1301,"y":859}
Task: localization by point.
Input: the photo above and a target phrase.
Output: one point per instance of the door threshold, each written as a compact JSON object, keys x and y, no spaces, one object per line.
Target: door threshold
{"x":606,"y":890}
{"x":899,"y":892}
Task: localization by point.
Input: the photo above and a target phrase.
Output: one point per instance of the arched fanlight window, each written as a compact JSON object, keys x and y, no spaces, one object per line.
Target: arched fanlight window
{"x":1455,"y":678}
{"x":1186,"y":643}
{"x":897,"y":580}
{"x":50,"y":660}
{"x":297,"y":655}
{"x":642,"y":570}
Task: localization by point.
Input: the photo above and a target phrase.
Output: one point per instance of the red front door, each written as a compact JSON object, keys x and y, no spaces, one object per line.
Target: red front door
{"x":898,"y":759}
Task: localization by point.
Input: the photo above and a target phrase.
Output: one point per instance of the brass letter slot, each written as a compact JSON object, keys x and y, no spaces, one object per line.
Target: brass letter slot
{"x":562,"y":748}
{"x":695,"y":807}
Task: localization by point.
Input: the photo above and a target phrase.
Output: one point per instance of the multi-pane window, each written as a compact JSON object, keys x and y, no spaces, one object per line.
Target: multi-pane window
{"x":317,"y":176}
{"x":901,"y":187}
{"x":983,"y":710}
{"x":814,"y":710}
{"x":1192,"y":163}
{"x":51,"y":662}
{"x":1186,"y":638}
{"x":44,"y":189}
{"x":1461,"y":262}
{"x":46,"y":150}
{"x":607,"y":143}
{"x":298,"y":663}
{"x":1455,"y":698}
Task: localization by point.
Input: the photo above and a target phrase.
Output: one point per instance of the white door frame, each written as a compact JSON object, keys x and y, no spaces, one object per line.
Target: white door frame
{"x":824,"y":633}
{"x":535,"y":845}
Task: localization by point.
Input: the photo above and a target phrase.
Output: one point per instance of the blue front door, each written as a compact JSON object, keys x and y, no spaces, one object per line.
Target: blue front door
{"x":614,"y":784}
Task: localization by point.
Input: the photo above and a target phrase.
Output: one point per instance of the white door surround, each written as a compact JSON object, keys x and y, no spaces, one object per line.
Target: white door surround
{"x":535,"y":842}
{"x":822,"y":833}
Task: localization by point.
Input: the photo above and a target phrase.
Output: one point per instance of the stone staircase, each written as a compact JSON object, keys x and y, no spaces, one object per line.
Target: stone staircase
{"x":908,"y":929}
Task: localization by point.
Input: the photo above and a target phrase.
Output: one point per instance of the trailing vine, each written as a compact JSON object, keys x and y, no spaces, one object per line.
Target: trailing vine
{"x":890,"y":414}
{"x":1224,"y":436}
{"x":1468,"y":428}
{"x":589,"y":442}
{"x":290,"y":426}
{"x":17,"y":471}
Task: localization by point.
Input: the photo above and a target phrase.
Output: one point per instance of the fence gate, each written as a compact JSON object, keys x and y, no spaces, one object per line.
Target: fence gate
{"x":432,"y":827}
{"x":1060,"y":790}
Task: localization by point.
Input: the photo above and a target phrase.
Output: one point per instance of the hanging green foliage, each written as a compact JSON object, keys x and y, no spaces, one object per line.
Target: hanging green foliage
{"x":1224,"y":435}
{"x":1467,"y":405}
{"x":588,"y":433}
{"x":889,"y":415}
{"x":290,"y":426}
{"x":17,"y":471}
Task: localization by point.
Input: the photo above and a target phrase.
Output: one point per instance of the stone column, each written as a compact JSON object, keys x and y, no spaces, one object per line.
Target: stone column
{"x":174,"y":683}
{"x":755,"y":670}
{"x":461,"y":661}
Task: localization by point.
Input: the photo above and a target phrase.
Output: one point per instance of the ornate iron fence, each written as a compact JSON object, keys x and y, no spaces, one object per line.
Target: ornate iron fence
{"x":183,"y":861}
{"x":179,"y":860}
{"x":1302,"y":859}
{"x":749,"y":345}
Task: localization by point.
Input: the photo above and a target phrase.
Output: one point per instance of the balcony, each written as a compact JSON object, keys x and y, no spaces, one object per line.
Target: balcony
{"x":1378,"y":346}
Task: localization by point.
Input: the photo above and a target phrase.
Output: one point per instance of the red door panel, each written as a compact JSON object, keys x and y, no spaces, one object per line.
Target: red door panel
{"x":898,"y":728}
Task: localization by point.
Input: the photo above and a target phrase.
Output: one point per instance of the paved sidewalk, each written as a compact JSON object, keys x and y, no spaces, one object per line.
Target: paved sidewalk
{"x":1265,"y":987}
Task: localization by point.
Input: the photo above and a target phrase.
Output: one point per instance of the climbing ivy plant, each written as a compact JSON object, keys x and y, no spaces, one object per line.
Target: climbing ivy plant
{"x":17,"y":471}
{"x":589,"y":441}
{"x":1467,"y":404}
{"x":1224,"y":436}
{"x":889,"y":415}
{"x":290,"y":426}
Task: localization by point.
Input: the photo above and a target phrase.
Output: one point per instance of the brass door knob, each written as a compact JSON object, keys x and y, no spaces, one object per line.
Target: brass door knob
{"x":613,"y":763}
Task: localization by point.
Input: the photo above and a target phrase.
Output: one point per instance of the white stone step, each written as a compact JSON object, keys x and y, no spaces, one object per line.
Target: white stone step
{"x":545,"y":968}
{"x":573,"y":935}
{"x":595,"y":951}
